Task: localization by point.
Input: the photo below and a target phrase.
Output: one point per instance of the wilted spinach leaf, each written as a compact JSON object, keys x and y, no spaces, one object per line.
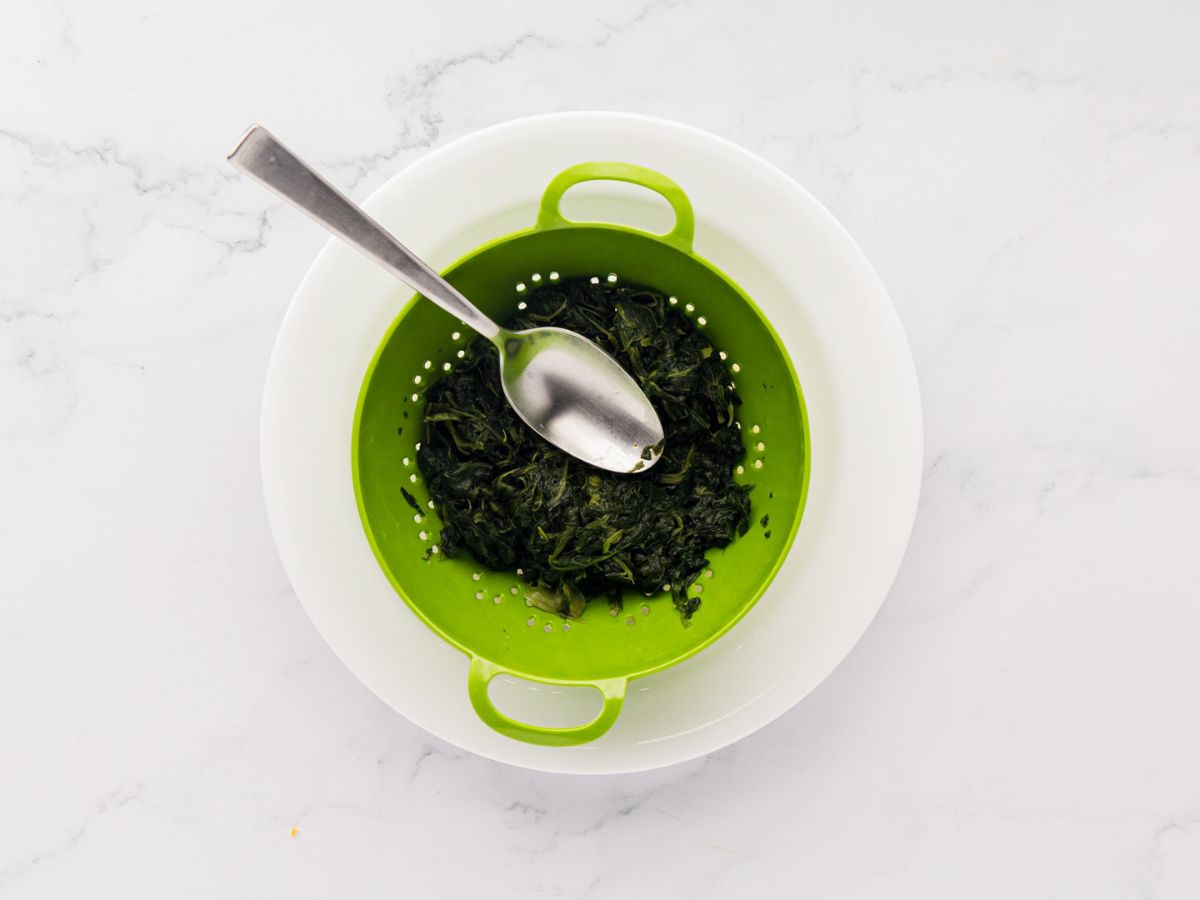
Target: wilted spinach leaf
{"x":515,"y":502}
{"x":411,"y":501}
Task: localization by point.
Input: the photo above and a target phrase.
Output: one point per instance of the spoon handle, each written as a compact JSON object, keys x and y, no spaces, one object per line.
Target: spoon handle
{"x":261,"y":156}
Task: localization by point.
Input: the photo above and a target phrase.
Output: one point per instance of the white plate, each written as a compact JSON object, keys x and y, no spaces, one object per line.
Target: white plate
{"x":812,"y":282}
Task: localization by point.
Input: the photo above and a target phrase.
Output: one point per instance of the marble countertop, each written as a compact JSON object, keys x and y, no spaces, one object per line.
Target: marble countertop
{"x":1021,"y":720}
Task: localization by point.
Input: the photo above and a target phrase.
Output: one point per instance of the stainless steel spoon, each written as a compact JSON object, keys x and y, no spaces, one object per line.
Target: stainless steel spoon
{"x":562,"y":385}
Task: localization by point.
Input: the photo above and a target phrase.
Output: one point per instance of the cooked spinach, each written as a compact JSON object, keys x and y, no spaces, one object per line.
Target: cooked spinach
{"x":411,"y":500}
{"x":574,"y":532}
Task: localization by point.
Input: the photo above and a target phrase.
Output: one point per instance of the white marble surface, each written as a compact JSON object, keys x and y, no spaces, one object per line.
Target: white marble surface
{"x":1023,"y":718}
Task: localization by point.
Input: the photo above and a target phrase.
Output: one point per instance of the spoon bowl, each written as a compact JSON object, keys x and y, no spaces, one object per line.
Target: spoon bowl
{"x":561,"y":384}
{"x":578,"y":398}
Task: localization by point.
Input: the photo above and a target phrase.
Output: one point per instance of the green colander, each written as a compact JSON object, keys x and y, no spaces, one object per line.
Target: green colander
{"x":485,"y":613}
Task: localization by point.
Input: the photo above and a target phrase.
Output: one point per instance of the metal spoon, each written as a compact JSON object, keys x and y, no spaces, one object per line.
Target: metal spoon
{"x":562,"y":385}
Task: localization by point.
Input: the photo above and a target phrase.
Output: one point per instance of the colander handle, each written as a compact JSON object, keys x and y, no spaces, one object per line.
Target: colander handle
{"x":480,"y":675}
{"x":680,"y":236}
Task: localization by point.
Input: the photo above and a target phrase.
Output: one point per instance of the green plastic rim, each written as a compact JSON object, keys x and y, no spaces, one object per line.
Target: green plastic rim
{"x":483,"y":613}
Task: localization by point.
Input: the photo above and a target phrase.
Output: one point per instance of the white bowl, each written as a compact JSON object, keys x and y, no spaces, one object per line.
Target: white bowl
{"x":813,"y":283}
